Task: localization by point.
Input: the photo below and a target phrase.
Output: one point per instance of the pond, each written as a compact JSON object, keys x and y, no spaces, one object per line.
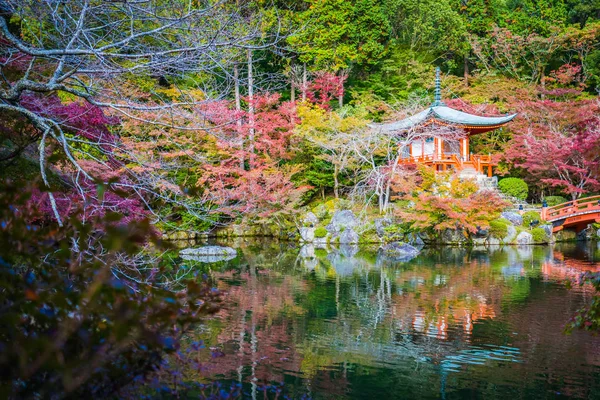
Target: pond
{"x":450,"y":323}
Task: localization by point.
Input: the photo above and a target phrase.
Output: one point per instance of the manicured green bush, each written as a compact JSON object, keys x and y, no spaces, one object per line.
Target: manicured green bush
{"x":499,"y":228}
{"x":514,"y":187}
{"x":554,"y":200}
{"x":320,"y":232}
{"x":531,"y":216}
{"x":539,"y":235}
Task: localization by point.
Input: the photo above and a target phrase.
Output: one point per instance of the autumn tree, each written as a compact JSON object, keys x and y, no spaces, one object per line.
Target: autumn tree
{"x":81,"y":53}
{"x":558,"y":144}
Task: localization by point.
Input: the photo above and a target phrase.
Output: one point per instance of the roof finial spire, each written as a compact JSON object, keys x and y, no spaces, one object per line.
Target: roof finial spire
{"x":438,"y":89}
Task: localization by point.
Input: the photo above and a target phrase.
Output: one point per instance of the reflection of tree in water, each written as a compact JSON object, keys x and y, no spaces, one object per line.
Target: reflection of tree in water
{"x":321,"y":319}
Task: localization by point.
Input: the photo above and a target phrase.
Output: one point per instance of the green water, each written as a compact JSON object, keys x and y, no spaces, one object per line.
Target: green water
{"x":451,"y":323}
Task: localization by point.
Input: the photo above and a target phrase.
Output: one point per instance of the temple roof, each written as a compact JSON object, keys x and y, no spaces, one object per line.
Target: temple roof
{"x":445,"y":115}
{"x":441,"y":114}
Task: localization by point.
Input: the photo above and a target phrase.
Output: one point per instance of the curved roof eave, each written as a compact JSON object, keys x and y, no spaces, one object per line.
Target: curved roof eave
{"x":453,"y":116}
{"x":403,"y":124}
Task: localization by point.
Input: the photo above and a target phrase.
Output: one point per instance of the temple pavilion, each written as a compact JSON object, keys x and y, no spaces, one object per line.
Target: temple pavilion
{"x":446,"y":154}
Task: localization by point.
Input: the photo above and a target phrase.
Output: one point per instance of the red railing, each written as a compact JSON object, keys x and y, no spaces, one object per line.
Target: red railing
{"x":478,"y":161}
{"x":571,"y":208}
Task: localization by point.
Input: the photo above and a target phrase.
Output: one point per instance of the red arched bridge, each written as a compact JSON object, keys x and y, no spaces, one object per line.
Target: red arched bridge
{"x":577,"y":214}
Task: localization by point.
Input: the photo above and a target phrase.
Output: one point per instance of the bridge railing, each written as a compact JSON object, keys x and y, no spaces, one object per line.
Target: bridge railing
{"x":569,"y":208}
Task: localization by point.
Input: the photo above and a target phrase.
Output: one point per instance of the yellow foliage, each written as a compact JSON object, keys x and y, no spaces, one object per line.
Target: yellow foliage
{"x":462,"y":189}
{"x":316,"y":121}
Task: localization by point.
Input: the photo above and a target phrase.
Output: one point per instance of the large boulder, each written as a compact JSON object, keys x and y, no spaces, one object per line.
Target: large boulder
{"x":511,"y":234}
{"x":513,"y":217}
{"x":348,"y":236}
{"x":479,"y":241}
{"x":342,"y":220}
{"x":524,"y":238}
{"x":548,"y":229}
{"x":493,"y":241}
{"x":307,"y":234}
{"x":453,"y":236}
{"x":208,"y":254}
{"x":565,"y":236}
{"x":400,"y":251}
{"x":310,"y":220}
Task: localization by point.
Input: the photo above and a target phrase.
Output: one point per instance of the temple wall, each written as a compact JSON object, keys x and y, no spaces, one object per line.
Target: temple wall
{"x":418,"y":150}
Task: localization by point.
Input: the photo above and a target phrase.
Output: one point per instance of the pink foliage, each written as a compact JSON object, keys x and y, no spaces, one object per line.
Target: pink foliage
{"x":83,"y":119}
{"x":325,"y":88}
{"x":567,"y":74}
{"x":559,"y":145}
{"x":264,"y":187}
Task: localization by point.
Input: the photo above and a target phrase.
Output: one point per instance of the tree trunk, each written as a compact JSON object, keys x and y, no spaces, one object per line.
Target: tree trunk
{"x":238,"y":108}
{"x":304,"y":82}
{"x":292,"y":85}
{"x":466,"y":69}
{"x":543,"y":83}
{"x":388,"y":187}
{"x":336,"y":184}
{"x":341,"y":101}
{"x":251,"y":109}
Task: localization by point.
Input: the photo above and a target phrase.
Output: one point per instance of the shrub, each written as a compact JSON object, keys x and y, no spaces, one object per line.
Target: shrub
{"x":531,"y":216}
{"x":514,"y":187}
{"x":499,"y":228}
{"x":539,"y":235}
{"x":555,"y":200}
{"x":320,"y":232}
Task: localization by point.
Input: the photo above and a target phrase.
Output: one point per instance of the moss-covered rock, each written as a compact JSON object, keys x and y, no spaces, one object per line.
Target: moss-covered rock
{"x":565,"y":236}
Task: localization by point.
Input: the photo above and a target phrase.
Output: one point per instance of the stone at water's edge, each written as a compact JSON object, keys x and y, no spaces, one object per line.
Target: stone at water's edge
{"x":512,"y":217}
{"x":453,"y":236}
{"x":208,"y":254}
{"x":492,"y":241}
{"x":307,"y":234}
{"x":381,"y":224}
{"x":209,"y":251}
{"x":342,"y":219}
{"x":524,"y":238}
{"x":348,"y":237}
{"x":548,"y":229}
{"x":321,"y":242}
{"x":565,"y":236}
{"x":510,"y":235}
